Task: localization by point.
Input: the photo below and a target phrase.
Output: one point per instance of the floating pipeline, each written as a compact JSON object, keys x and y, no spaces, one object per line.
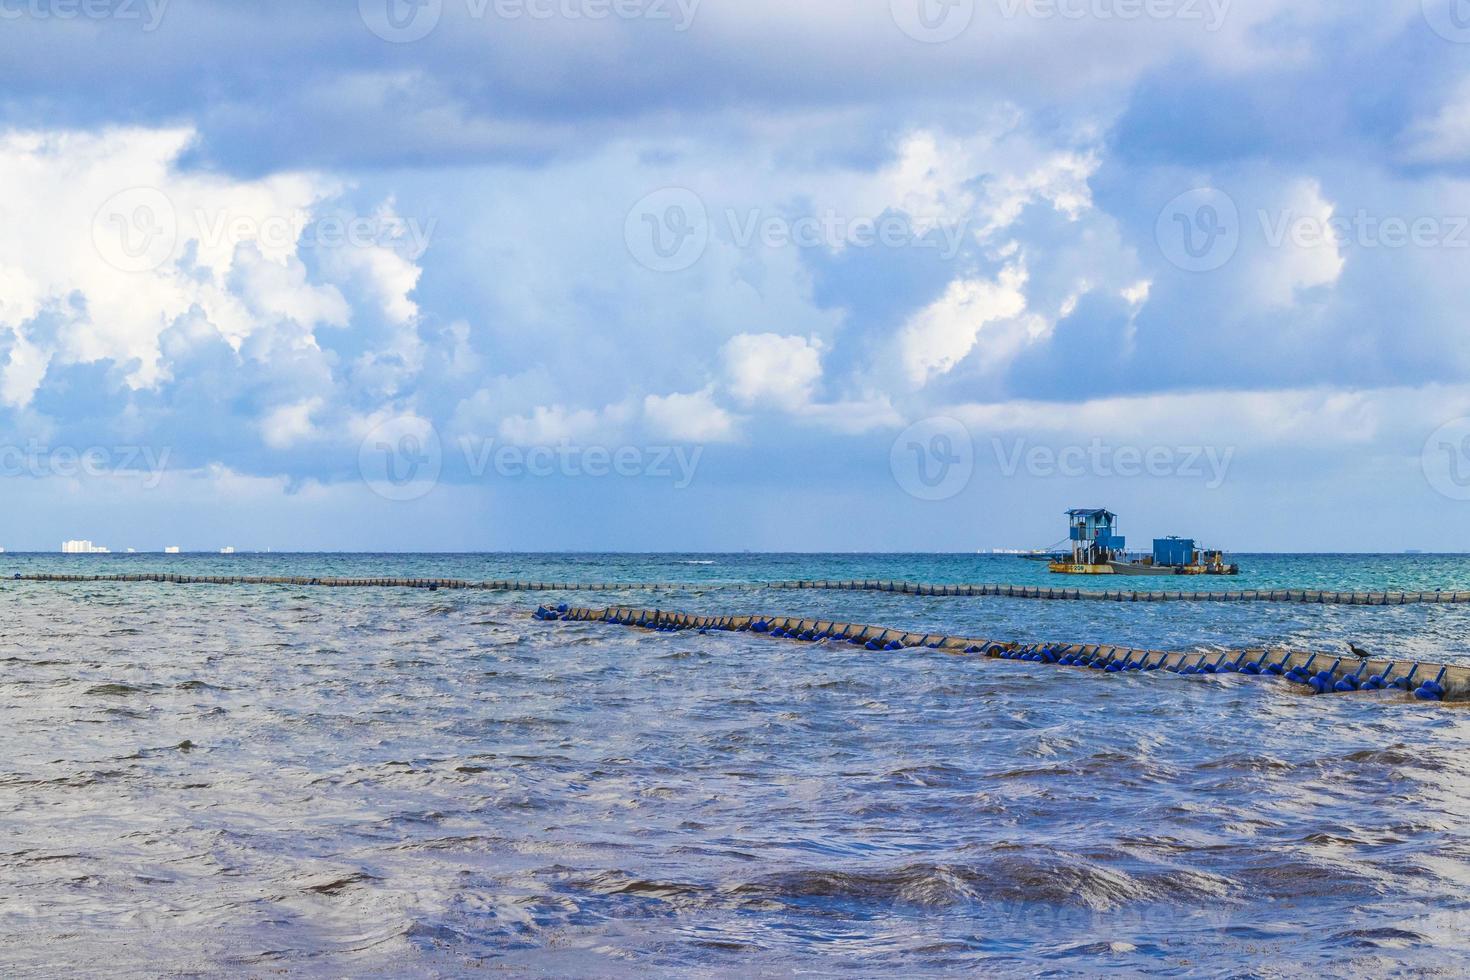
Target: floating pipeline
{"x":326,"y":581}
{"x":1309,"y":596}
{"x":902,"y":588}
{"x":1315,"y":673}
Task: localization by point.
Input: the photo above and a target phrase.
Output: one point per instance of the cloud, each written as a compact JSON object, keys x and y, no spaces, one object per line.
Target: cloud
{"x":772,"y":370}
{"x":692,"y":417}
{"x":1318,"y":419}
{"x":118,"y":244}
{"x":1305,"y":247}
{"x":972,"y":313}
{"x":497,"y":293}
{"x":553,"y":424}
{"x":289,"y":425}
{"x":193,"y":296}
{"x":1444,"y":136}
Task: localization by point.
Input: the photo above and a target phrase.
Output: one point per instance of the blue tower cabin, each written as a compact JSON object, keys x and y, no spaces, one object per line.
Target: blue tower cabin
{"x":1094,"y":537}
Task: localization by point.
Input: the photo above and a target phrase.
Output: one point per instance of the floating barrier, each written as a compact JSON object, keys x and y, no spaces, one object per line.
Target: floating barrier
{"x":326,"y":581}
{"x":900,"y":588}
{"x":1343,"y":676}
{"x":1310,"y":596}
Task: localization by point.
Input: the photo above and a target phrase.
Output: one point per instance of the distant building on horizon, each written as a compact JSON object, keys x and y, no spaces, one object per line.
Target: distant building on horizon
{"x":82,"y":548}
{"x":227,"y":550}
{"x":172,"y":549}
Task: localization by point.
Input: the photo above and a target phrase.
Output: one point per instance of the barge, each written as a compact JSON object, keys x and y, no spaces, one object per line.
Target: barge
{"x":1097,"y":549}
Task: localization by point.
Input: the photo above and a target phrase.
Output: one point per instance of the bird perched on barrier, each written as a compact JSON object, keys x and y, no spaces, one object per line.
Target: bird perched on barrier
{"x":1358,"y":651}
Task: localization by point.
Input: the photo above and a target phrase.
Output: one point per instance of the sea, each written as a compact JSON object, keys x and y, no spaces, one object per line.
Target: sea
{"x":295,"y":781}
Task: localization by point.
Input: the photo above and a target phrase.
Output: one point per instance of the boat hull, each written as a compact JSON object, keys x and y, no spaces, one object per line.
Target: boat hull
{"x":1070,"y":568}
{"x":1131,"y":568}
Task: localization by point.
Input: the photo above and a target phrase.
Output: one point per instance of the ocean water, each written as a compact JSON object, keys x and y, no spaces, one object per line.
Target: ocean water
{"x":297,"y":781}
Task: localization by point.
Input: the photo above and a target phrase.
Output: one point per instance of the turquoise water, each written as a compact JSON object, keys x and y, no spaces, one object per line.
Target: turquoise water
{"x":306,"y":781}
{"x":1355,"y":572}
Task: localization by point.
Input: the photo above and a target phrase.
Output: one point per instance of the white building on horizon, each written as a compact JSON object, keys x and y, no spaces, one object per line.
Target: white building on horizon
{"x":82,"y":548}
{"x":172,"y":549}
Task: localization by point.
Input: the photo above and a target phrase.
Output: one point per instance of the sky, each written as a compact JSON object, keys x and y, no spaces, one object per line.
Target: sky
{"x":718,"y":275}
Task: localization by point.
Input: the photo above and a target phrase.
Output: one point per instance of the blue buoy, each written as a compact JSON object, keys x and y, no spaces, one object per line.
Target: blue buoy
{"x":760,"y":626}
{"x":1427,"y":692}
{"x":872,"y":645}
{"x":894,"y":645}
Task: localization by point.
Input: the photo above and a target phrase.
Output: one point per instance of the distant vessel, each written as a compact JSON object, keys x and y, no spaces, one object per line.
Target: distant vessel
{"x":1098,"y":550}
